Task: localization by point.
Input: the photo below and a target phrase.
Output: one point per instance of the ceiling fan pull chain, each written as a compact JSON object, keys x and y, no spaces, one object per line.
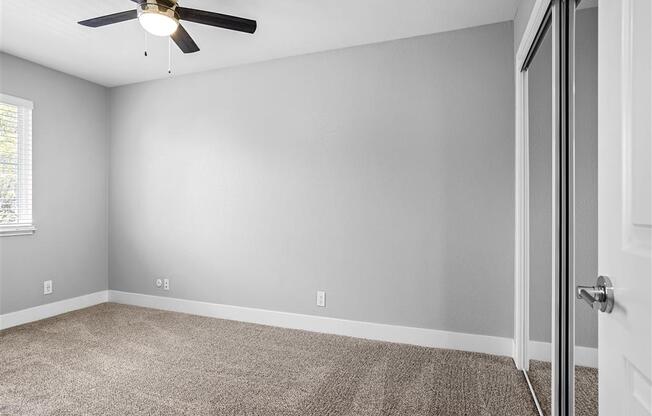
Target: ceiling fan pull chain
{"x":170,"y":56}
{"x":145,"y":43}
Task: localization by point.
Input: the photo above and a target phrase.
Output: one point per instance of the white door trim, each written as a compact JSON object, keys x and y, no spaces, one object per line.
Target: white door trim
{"x":522,"y":192}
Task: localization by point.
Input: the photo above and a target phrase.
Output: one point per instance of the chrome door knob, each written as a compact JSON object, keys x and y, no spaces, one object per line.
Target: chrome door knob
{"x":601,"y":294}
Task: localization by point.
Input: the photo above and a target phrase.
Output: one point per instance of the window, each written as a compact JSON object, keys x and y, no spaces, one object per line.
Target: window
{"x":15,"y":166}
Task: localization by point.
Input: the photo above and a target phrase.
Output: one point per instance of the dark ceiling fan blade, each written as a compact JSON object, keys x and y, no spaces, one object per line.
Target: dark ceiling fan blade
{"x":216,"y":19}
{"x":184,"y":41}
{"x":110,"y":19}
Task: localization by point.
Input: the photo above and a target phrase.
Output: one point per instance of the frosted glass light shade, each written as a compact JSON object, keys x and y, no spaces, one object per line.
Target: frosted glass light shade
{"x":157,"y":24}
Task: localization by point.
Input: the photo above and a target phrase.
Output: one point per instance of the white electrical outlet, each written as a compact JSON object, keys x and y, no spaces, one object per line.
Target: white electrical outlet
{"x":166,"y":284}
{"x":321,"y":298}
{"x":47,"y":287}
{"x":159,"y":282}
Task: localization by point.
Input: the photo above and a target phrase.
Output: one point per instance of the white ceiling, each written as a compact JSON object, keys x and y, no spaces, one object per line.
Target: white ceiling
{"x":46,"y":32}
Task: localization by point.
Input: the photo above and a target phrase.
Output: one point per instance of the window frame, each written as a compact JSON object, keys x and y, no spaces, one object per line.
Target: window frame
{"x":9,"y":230}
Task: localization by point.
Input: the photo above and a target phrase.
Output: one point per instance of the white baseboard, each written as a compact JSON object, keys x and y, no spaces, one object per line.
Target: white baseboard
{"x":48,"y":310}
{"x":584,"y":356}
{"x":357,"y":329}
{"x":368,"y":330}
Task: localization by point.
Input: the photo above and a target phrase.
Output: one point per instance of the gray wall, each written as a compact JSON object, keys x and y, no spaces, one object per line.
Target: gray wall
{"x":70,"y":186}
{"x":586,"y":145}
{"x":540,"y":96}
{"x":382,"y":174}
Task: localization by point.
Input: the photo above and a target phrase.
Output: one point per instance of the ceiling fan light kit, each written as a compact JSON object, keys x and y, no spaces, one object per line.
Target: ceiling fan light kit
{"x":162,"y":18}
{"x":157,"y":19}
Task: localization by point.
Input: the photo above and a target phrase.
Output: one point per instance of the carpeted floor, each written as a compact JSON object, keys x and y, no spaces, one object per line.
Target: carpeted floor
{"x":586,"y":388}
{"x":122,"y":360}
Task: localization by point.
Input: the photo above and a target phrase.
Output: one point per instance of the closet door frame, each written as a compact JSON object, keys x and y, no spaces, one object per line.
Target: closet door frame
{"x":560,"y":15}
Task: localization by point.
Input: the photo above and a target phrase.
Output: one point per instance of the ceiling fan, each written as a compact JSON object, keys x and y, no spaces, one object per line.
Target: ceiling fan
{"x":161,"y":18}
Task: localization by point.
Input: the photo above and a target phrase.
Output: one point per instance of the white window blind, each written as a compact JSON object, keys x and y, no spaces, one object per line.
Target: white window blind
{"x":15,"y":166}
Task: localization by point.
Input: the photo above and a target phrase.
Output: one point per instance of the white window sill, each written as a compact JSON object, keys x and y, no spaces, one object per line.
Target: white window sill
{"x":15,"y":230}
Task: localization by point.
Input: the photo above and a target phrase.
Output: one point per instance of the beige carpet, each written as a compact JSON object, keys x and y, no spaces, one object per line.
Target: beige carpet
{"x":122,"y":360}
{"x":586,"y":388}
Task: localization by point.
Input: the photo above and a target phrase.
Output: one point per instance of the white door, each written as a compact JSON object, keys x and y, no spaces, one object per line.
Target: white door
{"x":625,"y":204}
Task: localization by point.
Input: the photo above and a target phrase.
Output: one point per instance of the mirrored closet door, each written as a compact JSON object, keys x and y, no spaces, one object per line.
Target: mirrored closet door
{"x":540,"y":140}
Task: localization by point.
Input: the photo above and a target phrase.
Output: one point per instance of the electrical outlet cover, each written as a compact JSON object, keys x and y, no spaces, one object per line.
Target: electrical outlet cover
{"x":321,"y":298}
{"x":47,"y":287}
